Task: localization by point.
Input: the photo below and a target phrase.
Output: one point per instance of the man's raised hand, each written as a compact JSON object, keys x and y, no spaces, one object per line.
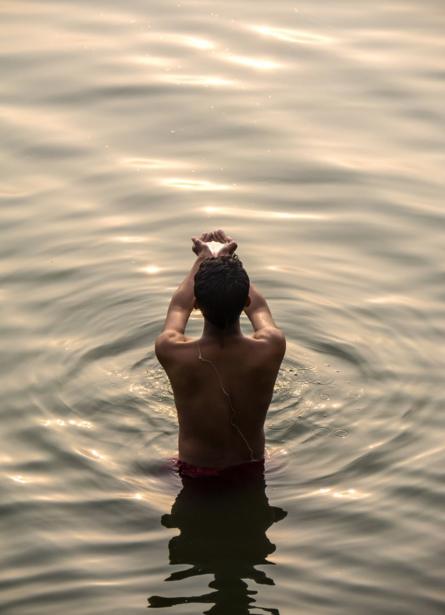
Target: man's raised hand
{"x":200,"y":247}
{"x":229,"y":244}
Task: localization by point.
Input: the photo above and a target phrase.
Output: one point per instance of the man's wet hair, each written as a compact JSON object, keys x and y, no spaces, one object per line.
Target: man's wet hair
{"x":221,"y":289}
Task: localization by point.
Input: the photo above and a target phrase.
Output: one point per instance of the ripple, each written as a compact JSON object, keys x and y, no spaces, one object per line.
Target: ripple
{"x":156,"y":164}
{"x":260,"y":214}
{"x":255,"y":63}
{"x":213,"y":81}
{"x":201,"y":185}
{"x":287,"y":35}
{"x":314,"y":136}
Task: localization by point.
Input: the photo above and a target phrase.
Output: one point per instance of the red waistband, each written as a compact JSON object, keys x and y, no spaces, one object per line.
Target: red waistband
{"x":242,"y":469}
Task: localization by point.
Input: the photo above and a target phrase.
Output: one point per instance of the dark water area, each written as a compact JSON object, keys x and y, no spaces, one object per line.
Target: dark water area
{"x":313,"y":132}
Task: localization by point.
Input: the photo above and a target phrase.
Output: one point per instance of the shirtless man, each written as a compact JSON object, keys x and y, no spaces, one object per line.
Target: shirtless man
{"x":222,"y":382}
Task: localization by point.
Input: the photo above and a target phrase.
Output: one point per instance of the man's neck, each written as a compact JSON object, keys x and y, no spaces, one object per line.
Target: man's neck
{"x":212,"y":332}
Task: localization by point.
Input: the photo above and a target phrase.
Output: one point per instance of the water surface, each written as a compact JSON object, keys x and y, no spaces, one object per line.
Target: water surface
{"x":313,"y":133}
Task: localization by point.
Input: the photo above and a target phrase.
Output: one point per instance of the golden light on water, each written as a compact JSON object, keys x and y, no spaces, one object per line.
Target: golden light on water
{"x":151,"y":269}
{"x":18,"y":478}
{"x":349,"y":494}
{"x":156,"y":500}
{"x":197,"y":80}
{"x":129,"y":239}
{"x":93,"y":454}
{"x":311,"y":134}
{"x":376,"y":445}
{"x":255,"y":63}
{"x":398,"y":300}
{"x":302,"y":37}
{"x":82,"y":424}
{"x":236,"y":212}
{"x":175,"y":39}
{"x":156,"y":164}
{"x":194,"y":184}
{"x":198,"y":43}
{"x":96,"y":454}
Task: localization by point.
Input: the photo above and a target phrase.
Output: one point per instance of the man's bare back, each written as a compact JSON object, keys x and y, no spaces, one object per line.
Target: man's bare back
{"x":223,"y":382}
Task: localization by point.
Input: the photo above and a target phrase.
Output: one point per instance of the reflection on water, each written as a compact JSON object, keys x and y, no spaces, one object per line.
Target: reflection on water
{"x":310,"y":131}
{"x":293,"y":36}
{"x":222,"y":525}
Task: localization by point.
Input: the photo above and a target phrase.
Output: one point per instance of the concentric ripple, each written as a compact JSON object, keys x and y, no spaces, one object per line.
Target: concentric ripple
{"x":314,"y":134}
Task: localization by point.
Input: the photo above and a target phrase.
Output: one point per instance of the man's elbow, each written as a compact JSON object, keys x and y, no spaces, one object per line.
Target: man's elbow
{"x":165,"y":341}
{"x":279,"y":340}
{"x":159,"y":348}
{"x":162,"y":344}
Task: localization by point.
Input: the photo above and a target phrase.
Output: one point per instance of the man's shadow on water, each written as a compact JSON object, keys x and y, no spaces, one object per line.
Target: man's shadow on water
{"x":222,"y":524}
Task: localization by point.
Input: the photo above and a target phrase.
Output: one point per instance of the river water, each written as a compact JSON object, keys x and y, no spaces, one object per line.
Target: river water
{"x":313,"y":132}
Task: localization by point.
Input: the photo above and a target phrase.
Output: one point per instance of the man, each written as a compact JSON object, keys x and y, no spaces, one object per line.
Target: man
{"x":222,"y":382}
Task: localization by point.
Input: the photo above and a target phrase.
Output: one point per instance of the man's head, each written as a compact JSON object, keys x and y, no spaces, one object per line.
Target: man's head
{"x":222,"y":290}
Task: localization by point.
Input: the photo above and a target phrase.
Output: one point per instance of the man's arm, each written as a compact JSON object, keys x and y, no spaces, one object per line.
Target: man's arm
{"x":260,"y":316}
{"x":178,"y":313}
{"x":182,"y":301}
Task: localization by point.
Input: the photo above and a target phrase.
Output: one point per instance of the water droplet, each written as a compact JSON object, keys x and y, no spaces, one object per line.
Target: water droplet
{"x":341,"y":433}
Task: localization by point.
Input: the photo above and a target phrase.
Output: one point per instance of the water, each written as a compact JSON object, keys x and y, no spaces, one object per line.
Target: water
{"x":313,"y":133}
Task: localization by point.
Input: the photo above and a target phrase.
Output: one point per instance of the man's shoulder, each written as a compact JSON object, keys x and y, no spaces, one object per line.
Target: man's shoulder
{"x":271,"y":338}
{"x":170,"y":337}
{"x":270,"y":333}
{"x":168,"y":341}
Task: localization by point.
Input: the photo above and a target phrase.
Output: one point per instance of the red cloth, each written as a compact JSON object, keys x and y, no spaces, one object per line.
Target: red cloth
{"x":240,"y":470}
